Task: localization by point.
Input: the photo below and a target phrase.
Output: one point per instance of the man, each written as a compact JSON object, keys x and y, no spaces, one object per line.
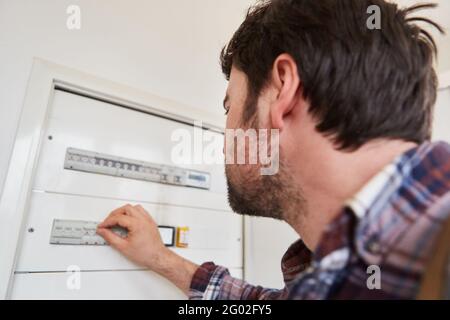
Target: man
{"x":358,"y":179}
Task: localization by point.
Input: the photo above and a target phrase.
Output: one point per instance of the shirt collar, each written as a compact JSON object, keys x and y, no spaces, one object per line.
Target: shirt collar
{"x":368,"y":194}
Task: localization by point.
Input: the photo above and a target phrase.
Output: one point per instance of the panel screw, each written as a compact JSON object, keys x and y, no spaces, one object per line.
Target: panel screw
{"x":50,"y":137}
{"x":31,"y":230}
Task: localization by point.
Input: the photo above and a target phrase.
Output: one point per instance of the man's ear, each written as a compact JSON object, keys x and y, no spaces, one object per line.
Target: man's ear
{"x":286,"y":81}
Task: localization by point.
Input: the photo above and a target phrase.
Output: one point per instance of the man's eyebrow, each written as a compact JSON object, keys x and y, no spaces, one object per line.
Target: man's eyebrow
{"x":227,"y":97}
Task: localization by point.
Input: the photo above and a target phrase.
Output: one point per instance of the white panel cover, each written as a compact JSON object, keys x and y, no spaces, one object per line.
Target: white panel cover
{"x":83,"y":123}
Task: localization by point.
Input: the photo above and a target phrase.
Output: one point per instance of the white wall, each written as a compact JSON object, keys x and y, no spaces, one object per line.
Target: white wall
{"x":442,"y":116}
{"x":439,"y":15}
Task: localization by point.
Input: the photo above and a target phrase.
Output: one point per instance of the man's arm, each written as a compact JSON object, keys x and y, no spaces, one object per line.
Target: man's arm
{"x":144,"y":246}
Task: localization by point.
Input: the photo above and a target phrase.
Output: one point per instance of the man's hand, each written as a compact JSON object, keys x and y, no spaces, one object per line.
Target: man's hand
{"x":144,"y":245}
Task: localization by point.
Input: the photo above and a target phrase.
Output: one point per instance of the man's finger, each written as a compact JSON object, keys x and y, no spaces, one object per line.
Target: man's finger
{"x":144,"y":213}
{"x":141,"y":210}
{"x":111,"y":238}
{"x":127,"y":209}
{"x":117,"y":220}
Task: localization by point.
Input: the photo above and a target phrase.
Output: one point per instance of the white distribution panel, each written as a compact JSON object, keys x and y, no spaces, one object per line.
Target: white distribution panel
{"x":74,"y":181}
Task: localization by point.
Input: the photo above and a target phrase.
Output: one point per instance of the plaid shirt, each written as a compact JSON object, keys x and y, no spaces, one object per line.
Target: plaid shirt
{"x":392,"y":224}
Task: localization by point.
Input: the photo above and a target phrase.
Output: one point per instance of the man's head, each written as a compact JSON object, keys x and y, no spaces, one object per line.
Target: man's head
{"x":316,"y":72}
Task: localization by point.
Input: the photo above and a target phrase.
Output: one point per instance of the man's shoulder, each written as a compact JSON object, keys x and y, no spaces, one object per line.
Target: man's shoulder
{"x":400,"y":236}
{"x":382,"y":250}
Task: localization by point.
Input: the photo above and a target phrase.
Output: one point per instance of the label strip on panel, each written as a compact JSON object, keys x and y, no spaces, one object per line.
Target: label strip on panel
{"x":93,"y":162}
{"x":78,"y":232}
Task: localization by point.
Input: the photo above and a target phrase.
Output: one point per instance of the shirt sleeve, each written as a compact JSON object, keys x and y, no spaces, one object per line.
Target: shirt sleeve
{"x":211,"y":282}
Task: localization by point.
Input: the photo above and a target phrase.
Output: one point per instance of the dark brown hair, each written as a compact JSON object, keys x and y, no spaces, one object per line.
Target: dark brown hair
{"x":362,"y":84}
